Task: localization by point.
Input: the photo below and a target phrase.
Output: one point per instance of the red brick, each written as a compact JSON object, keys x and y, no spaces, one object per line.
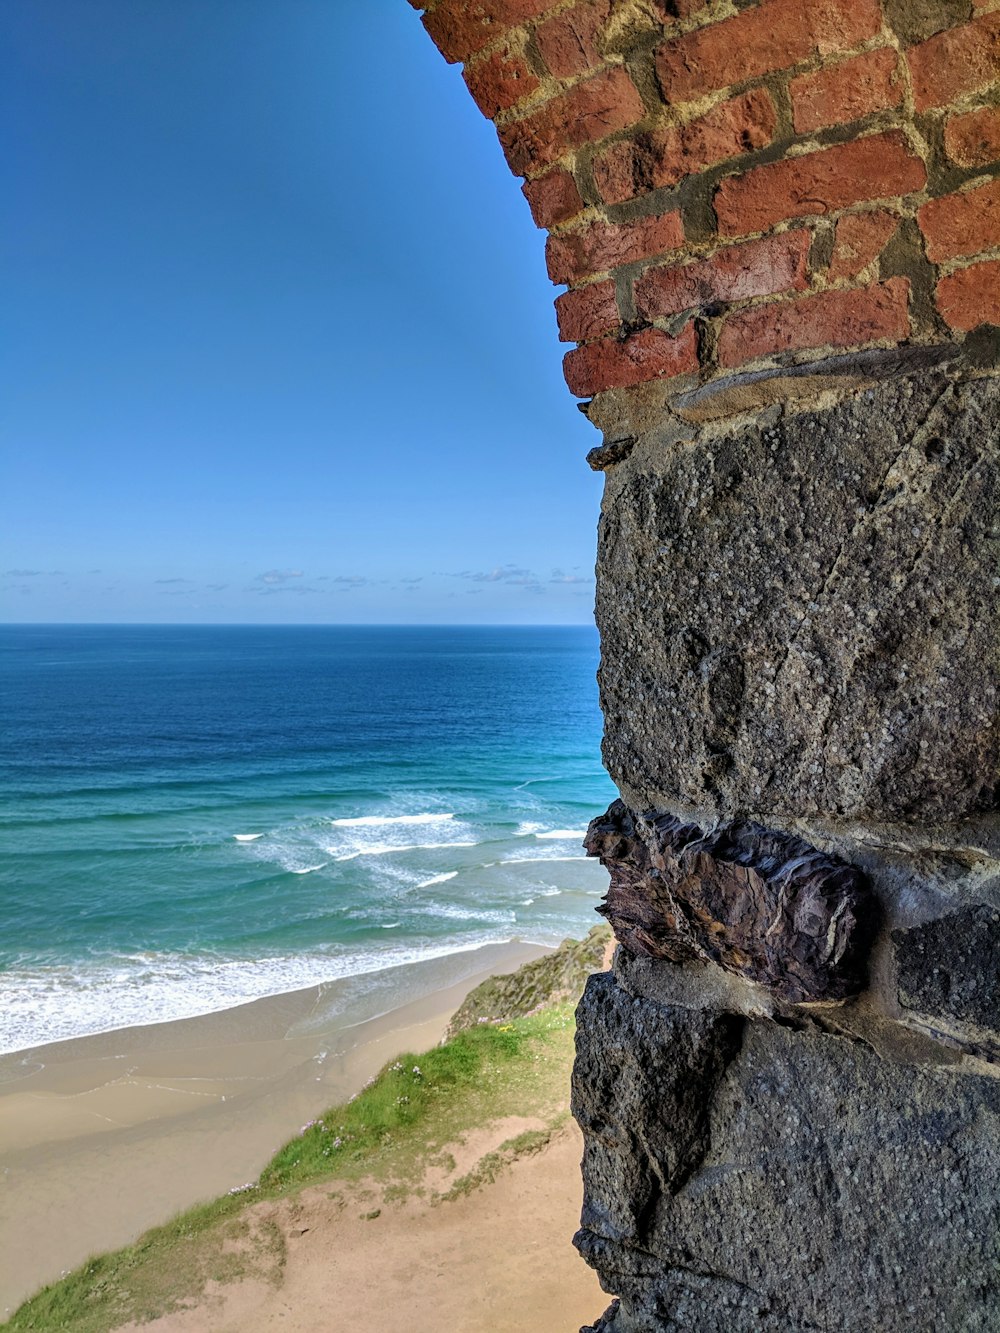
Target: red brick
{"x":573,"y":256}
{"x":971,"y":296}
{"x":587,"y":113}
{"x":568,"y":43}
{"x":499,"y":81}
{"x":612,"y":364}
{"x":773,"y":35}
{"x":879,"y":167}
{"x":830,"y":319}
{"x":860,"y":238}
{"x":973,"y":140}
{"x":552,"y":198}
{"x":664,"y":157}
{"x":962,"y":224}
{"x":587,"y":312}
{"x":846,"y":91}
{"x":955,"y":62}
{"x":756,"y":268}
{"x":460,"y":28}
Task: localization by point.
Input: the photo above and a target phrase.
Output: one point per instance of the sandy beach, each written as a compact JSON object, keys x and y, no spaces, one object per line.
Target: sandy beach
{"x":107,"y":1135}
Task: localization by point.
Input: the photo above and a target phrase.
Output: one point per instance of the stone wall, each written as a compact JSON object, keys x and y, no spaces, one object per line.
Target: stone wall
{"x":778,"y":224}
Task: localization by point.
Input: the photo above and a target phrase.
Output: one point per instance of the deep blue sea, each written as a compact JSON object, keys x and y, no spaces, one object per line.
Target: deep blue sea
{"x":193,"y":817}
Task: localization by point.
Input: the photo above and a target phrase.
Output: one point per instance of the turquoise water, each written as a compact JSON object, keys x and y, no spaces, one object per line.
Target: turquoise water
{"x":193,"y":817}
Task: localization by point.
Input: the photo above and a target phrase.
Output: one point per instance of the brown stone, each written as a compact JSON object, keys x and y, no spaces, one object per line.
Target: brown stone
{"x":587,"y":312}
{"x":847,"y":91}
{"x":828,"y":319}
{"x":552,"y":198}
{"x":971,"y":296}
{"x":881,"y":166}
{"x":962,"y":224}
{"x":761,"y":904}
{"x":756,"y":268}
{"x":973,"y":139}
{"x":568,"y":42}
{"x":859,"y":239}
{"x":460,"y":28}
{"x":499,"y":81}
{"x":573,"y":256}
{"x":612,"y":363}
{"x":589,"y":112}
{"x":955,"y":62}
{"x":773,"y":35}
{"x":647,"y":161}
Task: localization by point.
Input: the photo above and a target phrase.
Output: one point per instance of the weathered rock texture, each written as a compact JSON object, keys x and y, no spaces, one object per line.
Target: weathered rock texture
{"x":778,"y":223}
{"x":745,"y":1175}
{"x":764,"y":906}
{"x":796,"y":613}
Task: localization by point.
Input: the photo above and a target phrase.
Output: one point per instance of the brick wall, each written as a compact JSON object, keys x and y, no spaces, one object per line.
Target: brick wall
{"x":729,"y":186}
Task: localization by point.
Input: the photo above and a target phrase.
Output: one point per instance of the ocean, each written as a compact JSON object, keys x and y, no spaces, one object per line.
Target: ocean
{"x":192,"y":817}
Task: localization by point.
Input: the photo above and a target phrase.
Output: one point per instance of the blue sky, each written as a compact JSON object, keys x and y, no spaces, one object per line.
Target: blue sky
{"x":283,"y":343}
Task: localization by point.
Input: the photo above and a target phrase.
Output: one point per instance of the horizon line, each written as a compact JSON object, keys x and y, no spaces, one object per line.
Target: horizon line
{"x":292,"y":624}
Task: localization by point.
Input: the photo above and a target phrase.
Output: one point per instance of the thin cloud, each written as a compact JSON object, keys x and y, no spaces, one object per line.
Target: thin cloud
{"x":498,"y":574}
{"x":32,"y":573}
{"x":173,"y":580}
{"x":276,"y":576}
{"x":299,"y":589}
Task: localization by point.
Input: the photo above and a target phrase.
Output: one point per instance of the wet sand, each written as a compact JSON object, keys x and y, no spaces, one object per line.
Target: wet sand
{"x":105,"y":1136}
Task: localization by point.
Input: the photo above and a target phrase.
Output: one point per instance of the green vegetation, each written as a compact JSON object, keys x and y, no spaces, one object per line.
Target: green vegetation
{"x":385,"y":1138}
{"x":489,"y":1167}
{"x":560,"y":975}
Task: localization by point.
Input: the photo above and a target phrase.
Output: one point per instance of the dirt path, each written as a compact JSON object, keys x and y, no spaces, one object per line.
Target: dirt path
{"x":496,"y":1260}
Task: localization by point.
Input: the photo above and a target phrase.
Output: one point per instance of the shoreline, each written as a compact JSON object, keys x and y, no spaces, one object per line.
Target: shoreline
{"x":108,"y":1134}
{"x":9,"y":1055}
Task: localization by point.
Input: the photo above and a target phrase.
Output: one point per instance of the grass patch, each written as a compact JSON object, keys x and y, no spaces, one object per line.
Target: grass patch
{"x":411,"y":1111}
{"x":489,"y":1167}
{"x":559,"y":975}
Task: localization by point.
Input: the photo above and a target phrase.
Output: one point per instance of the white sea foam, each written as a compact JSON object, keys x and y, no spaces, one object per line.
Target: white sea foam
{"x":563,"y":833}
{"x":374,"y":821}
{"x":306,"y":870}
{"x":383,"y":848}
{"x":526,"y":829}
{"x":436,"y":879}
{"x":42,"y":1005}
{"x":498,"y":916}
{"x":549,"y":893}
{"x":247,"y":837}
{"x":537,"y":860}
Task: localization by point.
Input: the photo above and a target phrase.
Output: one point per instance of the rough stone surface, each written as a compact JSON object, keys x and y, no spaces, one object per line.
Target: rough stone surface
{"x":749,"y":1176}
{"x":797,"y":617}
{"x":620,"y":1066}
{"x":970,"y":297}
{"x":951,"y":967}
{"x":763,"y":905}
